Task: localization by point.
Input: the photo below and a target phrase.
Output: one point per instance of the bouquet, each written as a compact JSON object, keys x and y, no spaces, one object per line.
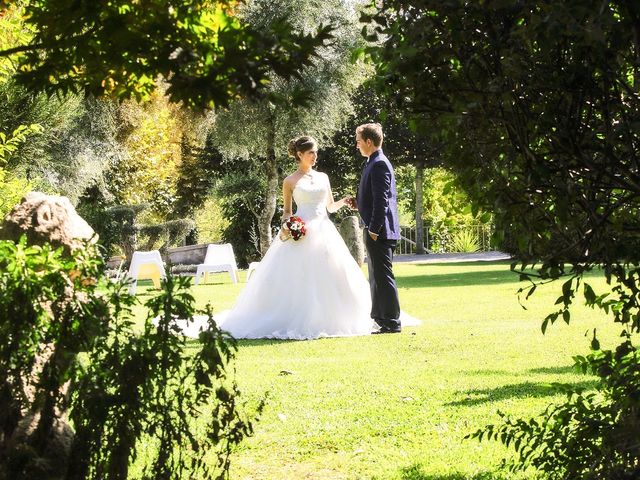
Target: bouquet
{"x":296,"y":227}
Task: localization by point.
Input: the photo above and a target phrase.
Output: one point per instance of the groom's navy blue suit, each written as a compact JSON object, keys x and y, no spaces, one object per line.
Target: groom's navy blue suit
{"x":377,"y":204}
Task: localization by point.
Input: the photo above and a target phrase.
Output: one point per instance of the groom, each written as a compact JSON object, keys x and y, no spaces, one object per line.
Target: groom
{"x":377,"y":205}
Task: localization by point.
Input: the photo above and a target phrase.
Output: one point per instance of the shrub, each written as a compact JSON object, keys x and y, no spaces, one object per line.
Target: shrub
{"x":465,"y":240}
{"x":68,"y":344}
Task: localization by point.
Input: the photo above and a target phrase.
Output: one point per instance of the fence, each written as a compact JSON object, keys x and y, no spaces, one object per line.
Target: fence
{"x":444,"y":239}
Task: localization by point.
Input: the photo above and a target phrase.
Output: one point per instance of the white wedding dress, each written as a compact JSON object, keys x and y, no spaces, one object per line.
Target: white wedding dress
{"x":304,"y":289}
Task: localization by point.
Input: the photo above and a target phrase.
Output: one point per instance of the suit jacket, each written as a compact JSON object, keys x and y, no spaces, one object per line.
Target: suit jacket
{"x":377,"y":197}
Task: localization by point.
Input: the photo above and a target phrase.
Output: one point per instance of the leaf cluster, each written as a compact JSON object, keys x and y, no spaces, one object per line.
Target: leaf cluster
{"x":120,"y":48}
{"x":538,"y":104}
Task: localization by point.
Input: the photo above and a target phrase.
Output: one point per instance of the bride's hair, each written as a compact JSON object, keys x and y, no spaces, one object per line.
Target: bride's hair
{"x":301,"y":145}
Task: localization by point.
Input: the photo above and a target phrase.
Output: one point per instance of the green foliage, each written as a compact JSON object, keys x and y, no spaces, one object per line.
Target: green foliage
{"x":464,"y":240}
{"x":74,"y":146}
{"x":443,"y":200}
{"x":453,"y":227}
{"x":539,"y":104}
{"x":12,"y":34}
{"x":154,"y":137}
{"x":12,"y":188}
{"x":171,"y":232}
{"x":196,"y":178}
{"x":315,"y":102}
{"x":591,"y":435}
{"x":75,"y":139}
{"x":126,"y":389}
{"x":150,"y":388}
{"x":49,"y":311}
{"x":118,"y":227}
{"x":208,"y":56}
{"x":237,"y":187}
{"x":241,"y":230}
{"x":538,"y":114}
{"x":210,"y":223}
{"x":9,"y":144}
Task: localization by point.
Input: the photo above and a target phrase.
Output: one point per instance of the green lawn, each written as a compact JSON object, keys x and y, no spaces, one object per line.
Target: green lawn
{"x":398,"y":406}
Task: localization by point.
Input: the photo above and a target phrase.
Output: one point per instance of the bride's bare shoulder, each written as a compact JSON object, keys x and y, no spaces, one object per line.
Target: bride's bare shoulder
{"x":291,"y":179}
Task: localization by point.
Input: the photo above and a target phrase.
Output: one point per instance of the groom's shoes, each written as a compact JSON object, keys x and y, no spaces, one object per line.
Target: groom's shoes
{"x":387,"y":330}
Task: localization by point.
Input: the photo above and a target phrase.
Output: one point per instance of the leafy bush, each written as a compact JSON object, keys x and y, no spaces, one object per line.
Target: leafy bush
{"x":241,"y":231}
{"x":465,"y":240}
{"x":444,"y":202}
{"x":12,"y":187}
{"x":68,"y":344}
{"x":440,"y":235}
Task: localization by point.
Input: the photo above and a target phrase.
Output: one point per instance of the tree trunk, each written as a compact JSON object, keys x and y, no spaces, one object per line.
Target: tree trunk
{"x":420,"y":250}
{"x":271,"y":172}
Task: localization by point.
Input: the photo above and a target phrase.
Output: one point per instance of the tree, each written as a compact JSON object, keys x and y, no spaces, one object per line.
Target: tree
{"x":315,"y":103}
{"x":403,"y":146}
{"x":119,"y":48}
{"x":153,"y":137}
{"x":539,"y":102}
{"x":446,"y":207}
{"x":75,"y":142}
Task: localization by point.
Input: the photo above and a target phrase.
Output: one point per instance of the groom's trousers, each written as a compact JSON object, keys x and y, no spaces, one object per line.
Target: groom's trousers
{"x":385,"y":307}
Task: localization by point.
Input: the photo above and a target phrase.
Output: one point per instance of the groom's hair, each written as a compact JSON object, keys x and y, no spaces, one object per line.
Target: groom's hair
{"x":371,"y":131}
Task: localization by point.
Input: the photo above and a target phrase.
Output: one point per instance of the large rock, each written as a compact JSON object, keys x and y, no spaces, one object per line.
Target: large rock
{"x":352,"y":236}
{"x":23,"y":460}
{"x":44,"y":219}
{"x":47,"y":218}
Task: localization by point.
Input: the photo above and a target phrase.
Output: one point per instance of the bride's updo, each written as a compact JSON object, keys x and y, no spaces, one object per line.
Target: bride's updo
{"x":301,"y":145}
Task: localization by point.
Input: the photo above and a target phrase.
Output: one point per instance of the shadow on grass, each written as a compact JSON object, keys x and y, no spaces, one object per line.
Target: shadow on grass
{"x":416,"y":472}
{"x":520,"y":390}
{"x":555,"y":370}
{"x":211,"y":283}
{"x":463,"y":264}
{"x":475,"y":274}
{"x":261,"y":342}
{"x":458,"y":279}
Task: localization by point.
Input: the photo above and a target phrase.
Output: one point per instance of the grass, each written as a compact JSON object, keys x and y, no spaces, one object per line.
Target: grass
{"x":396,"y":407}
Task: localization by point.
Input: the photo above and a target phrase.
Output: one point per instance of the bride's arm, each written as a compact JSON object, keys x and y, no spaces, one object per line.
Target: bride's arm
{"x":332,"y":205}
{"x":287,"y":204}
{"x":287,"y":208}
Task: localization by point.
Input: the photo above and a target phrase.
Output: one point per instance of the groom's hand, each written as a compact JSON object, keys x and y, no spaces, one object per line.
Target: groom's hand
{"x":374,"y":236}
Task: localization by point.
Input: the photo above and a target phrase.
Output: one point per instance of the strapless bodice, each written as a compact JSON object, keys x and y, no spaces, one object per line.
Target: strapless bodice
{"x":311,"y":198}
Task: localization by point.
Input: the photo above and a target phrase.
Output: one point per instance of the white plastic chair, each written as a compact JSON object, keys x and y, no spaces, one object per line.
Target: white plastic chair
{"x":146,"y":265}
{"x":219,"y":258}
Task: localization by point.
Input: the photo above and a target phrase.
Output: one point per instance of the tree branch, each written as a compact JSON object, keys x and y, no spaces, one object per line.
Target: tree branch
{"x":44,"y":46}
{"x":22,"y":48}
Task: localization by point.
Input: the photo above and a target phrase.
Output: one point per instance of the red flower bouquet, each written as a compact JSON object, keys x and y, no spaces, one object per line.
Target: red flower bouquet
{"x":296,"y":227}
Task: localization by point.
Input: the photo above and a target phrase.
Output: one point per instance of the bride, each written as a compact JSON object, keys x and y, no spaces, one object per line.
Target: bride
{"x":310,"y":287}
